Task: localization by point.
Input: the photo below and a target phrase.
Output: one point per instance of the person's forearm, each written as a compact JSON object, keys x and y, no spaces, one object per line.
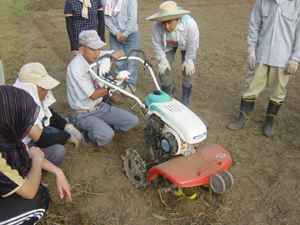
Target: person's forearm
{"x":98,"y":93}
{"x":192,"y":41}
{"x":254,"y":27}
{"x":296,"y":48}
{"x":46,"y":140}
{"x":70,"y":30}
{"x":51,"y":168}
{"x":33,"y":179}
{"x":110,"y":25}
{"x":101,"y":25}
{"x":131,"y":18}
{"x":118,"y":53}
{"x":57,"y":121}
{"x":61,"y":180}
{"x":157,"y":40}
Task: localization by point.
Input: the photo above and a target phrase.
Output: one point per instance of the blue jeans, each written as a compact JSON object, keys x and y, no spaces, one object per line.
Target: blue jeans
{"x":132,"y":42}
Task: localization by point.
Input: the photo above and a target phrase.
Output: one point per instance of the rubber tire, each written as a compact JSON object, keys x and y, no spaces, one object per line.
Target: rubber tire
{"x":228,"y":178}
{"x":217,"y":184}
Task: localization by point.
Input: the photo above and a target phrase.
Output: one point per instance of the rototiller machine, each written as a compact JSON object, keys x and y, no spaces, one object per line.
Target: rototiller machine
{"x":173,"y":134}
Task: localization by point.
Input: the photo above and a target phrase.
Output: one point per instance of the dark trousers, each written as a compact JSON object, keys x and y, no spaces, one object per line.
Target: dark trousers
{"x":17,"y":210}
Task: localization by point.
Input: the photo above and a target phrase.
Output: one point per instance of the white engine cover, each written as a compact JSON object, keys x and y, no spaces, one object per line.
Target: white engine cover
{"x":181,"y":119}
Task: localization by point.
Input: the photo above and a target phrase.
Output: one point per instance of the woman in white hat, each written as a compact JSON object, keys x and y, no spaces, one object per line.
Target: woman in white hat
{"x":50,"y":131}
{"x":174,"y":28}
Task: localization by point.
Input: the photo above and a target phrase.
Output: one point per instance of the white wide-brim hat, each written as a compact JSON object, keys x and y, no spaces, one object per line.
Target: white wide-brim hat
{"x":168,"y":11}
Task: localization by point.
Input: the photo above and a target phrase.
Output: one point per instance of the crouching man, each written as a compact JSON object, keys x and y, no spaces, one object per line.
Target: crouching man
{"x":85,"y":93}
{"x":50,"y":131}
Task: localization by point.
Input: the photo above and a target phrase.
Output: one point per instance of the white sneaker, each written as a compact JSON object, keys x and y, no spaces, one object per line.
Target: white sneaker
{"x":128,"y":89}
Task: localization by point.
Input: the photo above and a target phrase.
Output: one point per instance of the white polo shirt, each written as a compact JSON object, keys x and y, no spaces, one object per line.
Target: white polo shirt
{"x":80,"y":85}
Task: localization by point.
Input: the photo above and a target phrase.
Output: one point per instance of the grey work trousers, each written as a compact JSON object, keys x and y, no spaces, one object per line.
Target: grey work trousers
{"x":166,"y":79}
{"x":55,"y":153}
{"x":99,"y":122}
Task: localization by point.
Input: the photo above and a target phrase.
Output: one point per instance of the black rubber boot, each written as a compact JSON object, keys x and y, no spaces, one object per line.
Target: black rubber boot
{"x":246,"y":109}
{"x":272,"y":110}
{"x":186,"y":92}
{"x":166,"y":89}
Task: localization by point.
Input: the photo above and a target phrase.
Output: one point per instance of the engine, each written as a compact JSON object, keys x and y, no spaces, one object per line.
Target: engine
{"x":173,"y":128}
{"x":164,"y":141}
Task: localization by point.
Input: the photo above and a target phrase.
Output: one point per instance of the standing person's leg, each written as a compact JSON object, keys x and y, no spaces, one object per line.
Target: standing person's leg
{"x":132,"y":42}
{"x":277,"y":82}
{"x":255,"y":83}
{"x":187,"y":82}
{"x":115,"y":45}
{"x":165,"y":79}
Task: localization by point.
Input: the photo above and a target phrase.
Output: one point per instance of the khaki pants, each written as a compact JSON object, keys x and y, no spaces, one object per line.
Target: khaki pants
{"x":264,"y":75}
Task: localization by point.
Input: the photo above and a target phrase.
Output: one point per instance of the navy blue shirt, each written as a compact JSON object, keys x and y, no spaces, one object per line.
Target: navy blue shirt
{"x":74,"y":7}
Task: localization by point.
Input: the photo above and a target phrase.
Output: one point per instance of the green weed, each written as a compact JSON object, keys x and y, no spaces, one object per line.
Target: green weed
{"x":11,"y":11}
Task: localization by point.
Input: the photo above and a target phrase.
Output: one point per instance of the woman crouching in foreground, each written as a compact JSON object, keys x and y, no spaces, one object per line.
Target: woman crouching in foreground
{"x":23,"y":199}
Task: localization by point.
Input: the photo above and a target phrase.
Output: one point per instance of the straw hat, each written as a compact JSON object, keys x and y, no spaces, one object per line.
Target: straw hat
{"x":168,"y":11}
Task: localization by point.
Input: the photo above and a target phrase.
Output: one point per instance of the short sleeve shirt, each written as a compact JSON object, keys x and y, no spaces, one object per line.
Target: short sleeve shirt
{"x":10,"y":180}
{"x":74,"y":7}
{"x":80,"y":84}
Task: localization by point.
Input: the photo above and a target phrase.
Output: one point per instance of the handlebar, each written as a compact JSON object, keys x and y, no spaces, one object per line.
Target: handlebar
{"x":144,"y":61}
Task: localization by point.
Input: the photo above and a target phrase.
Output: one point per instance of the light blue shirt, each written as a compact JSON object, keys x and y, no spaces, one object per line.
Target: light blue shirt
{"x":125,"y":21}
{"x":187,"y":36}
{"x":274,"y":31}
{"x":80,"y":85}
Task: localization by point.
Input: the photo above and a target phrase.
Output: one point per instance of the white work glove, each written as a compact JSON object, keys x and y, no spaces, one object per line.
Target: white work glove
{"x":251,"y":60}
{"x":291,"y":67}
{"x":74,"y":132}
{"x":189,"y":67}
{"x":74,"y":141}
{"x":121,"y":76}
{"x":104,"y":66}
{"x":162,"y":66}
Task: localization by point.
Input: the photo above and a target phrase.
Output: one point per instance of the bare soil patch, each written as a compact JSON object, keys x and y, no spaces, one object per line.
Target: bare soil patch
{"x":266,"y":170}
